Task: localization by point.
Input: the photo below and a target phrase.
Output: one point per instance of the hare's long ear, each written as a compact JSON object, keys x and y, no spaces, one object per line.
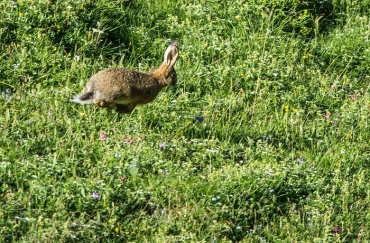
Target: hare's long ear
{"x":171,"y":54}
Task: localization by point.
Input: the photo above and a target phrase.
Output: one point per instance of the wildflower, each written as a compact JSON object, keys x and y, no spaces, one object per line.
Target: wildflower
{"x":200,"y":119}
{"x":103,"y":137}
{"x":162,"y":145}
{"x":286,"y":108}
{"x":166,"y":171}
{"x":97,"y":31}
{"x":22,"y":219}
{"x":126,"y":140}
{"x":165,"y":99}
{"x":238,"y":227}
{"x":117,"y":155}
{"x":76,"y":58}
{"x":353,"y":97}
{"x":123,"y":178}
{"x":58,"y":26}
{"x":116,"y":229}
{"x":269,"y":172}
{"x":327,"y":115}
{"x":299,"y":160}
{"x":21,"y":14}
{"x":95,"y":195}
{"x":336,"y":230}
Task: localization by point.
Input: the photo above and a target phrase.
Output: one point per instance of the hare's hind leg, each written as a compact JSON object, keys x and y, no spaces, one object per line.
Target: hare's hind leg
{"x":127,"y":109}
{"x":122,"y":109}
{"x":103,"y":103}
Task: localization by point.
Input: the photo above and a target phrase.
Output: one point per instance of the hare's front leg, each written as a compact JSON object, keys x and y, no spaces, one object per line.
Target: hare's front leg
{"x":103,"y":103}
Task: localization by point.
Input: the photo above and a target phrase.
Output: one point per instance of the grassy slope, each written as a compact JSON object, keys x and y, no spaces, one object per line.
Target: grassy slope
{"x":281,"y":156}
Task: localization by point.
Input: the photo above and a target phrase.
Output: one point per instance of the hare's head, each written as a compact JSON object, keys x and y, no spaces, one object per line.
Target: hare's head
{"x":166,"y":71}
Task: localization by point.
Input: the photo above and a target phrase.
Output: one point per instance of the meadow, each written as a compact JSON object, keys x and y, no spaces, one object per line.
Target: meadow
{"x":265,"y":137}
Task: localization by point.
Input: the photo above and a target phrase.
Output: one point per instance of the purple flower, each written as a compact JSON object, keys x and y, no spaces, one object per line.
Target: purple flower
{"x":200,"y":119}
{"x":336,"y":230}
{"x":301,"y":161}
{"x":103,"y":137}
{"x":162,"y":145}
{"x":95,"y":195}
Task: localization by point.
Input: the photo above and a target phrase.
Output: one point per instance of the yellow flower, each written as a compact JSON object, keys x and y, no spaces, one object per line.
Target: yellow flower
{"x":116,"y":229}
{"x":242,"y":75}
{"x":58,"y":26}
{"x":21,"y":14}
{"x":54,"y":48}
{"x":286,"y":108}
{"x":165,"y":99}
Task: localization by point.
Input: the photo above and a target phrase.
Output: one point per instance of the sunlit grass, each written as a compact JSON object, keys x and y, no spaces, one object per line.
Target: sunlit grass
{"x":264,"y":138}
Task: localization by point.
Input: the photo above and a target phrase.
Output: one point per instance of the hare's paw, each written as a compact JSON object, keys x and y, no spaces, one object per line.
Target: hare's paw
{"x":103,"y":103}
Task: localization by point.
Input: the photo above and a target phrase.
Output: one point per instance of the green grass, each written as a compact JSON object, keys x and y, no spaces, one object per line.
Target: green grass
{"x":282,"y":154}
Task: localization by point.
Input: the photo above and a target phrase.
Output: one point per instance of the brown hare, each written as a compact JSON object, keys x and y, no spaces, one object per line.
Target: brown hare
{"x":123,"y":88}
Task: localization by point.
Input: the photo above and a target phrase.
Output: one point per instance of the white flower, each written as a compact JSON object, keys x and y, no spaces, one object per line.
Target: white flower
{"x":97,"y":31}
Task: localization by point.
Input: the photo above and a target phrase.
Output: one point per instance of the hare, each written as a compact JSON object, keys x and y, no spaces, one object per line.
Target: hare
{"x":123,"y":89}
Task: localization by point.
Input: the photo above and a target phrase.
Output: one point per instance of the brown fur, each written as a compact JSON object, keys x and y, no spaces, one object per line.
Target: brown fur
{"x":123,"y":88}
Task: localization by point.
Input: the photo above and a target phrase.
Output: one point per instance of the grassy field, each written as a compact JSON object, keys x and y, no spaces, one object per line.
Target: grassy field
{"x":265,"y":137}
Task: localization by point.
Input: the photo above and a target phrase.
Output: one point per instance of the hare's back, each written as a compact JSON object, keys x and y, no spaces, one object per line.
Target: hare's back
{"x":120,"y":84}
{"x":119,"y":75}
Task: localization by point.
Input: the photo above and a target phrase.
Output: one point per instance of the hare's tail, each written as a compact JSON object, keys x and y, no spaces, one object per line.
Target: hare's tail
{"x":84,"y":98}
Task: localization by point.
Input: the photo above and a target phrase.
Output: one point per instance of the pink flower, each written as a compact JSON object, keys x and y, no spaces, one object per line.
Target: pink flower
{"x":327,"y":115}
{"x":336,"y":230}
{"x":123,"y":178}
{"x":103,"y":137}
{"x":353,"y":97}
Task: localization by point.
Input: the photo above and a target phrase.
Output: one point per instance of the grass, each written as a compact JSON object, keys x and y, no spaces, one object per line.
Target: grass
{"x":264,"y":138}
